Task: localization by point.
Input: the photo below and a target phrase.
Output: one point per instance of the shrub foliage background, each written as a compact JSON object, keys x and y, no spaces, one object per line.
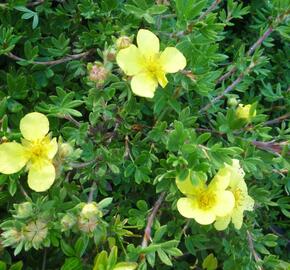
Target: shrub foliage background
{"x":124,"y":151}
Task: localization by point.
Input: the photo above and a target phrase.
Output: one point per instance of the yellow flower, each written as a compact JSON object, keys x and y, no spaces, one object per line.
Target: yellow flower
{"x":243,"y":201}
{"x":243,"y":112}
{"x":205,"y":203}
{"x":36,"y":152}
{"x":147,"y":65}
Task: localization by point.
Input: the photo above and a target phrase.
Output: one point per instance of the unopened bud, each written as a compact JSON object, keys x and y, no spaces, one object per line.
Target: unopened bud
{"x":232,"y":102}
{"x":23,"y":210}
{"x":90,"y":210}
{"x":89,"y":217}
{"x":97,"y":73}
{"x":123,"y":42}
{"x":67,"y":222}
{"x":65,"y":149}
{"x":110,"y":54}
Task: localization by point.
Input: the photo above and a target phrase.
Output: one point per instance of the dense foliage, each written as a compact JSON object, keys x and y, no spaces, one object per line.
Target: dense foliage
{"x":122,"y":159}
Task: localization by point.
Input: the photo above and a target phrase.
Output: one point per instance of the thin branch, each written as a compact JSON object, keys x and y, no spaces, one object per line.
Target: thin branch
{"x":272,"y":146}
{"x":249,"y":53}
{"x":32,"y":4}
{"x":260,"y":40}
{"x":252,"y":249}
{"x":23,"y":191}
{"x":150,"y":220}
{"x":227,"y":90}
{"x":82,"y":164}
{"x":210,"y":9}
{"x":91,"y":194}
{"x":52,"y":62}
{"x":277,"y":120}
{"x":72,"y":120}
{"x":44,"y":259}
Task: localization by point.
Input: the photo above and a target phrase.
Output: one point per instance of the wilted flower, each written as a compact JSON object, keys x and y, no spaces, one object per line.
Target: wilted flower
{"x":205,"y":203}
{"x":244,"y":112}
{"x":36,"y":151}
{"x":147,"y":65}
{"x":12,"y":237}
{"x":243,"y":202}
{"x":35,"y":232}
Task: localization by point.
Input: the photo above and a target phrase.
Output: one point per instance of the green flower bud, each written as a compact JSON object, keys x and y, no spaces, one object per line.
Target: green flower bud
{"x":232,"y":102}
{"x":65,"y":149}
{"x":67,"y":222}
{"x":23,"y":210}
{"x":90,"y":210}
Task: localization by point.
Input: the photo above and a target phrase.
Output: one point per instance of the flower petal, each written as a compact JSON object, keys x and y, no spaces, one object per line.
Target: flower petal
{"x":143,"y":85}
{"x":147,"y":42}
{"x":162,"y":80}
{"x":187,"y":188}
{"x":222,"y":222}
{"x":34,"y":126}
{"x":186,"y":207}
{"x":172,"y":60}
{"x":221,"y":180}
{"x":204,"y":217}
{"x":225,"y":203}
{"x":12,"y":157}
{"x":237,"y":173}
{"x":249,"y":203}
{"x":41,"y":176}
{"x":52,"y":148}
{"x":237,"y":219}
{"x":130,"y":60}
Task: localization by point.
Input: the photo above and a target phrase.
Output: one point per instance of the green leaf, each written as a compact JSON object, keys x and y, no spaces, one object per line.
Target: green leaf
{"x":163,"y":257}
{"x":72,"y":264}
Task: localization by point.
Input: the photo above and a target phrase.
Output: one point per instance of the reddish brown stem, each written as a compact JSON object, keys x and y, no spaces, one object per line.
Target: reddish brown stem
{"x":52,"y":62}
{"x":150,"y":220}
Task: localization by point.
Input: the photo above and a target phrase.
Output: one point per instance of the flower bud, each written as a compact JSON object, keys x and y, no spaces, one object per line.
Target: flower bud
{"x":97,"y":73}
{"x":123,"y":42}
{"x":90,"y":210}
{"x":65,"y":149}
{"x":23,"y":210}
{"x":244,"y":112}
{"x":67,"y":222}
{"x":88,"y":219}
{"x":232,"y":102}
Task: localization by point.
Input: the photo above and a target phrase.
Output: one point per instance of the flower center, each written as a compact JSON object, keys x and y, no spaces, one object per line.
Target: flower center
{"x":239,"y":196}
{"x":38,"y":149}
{"x":206,"y":200}
{"x":152,"y":65}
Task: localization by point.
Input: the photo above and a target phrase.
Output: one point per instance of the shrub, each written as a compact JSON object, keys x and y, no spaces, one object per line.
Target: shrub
{"x":144,"y":134}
